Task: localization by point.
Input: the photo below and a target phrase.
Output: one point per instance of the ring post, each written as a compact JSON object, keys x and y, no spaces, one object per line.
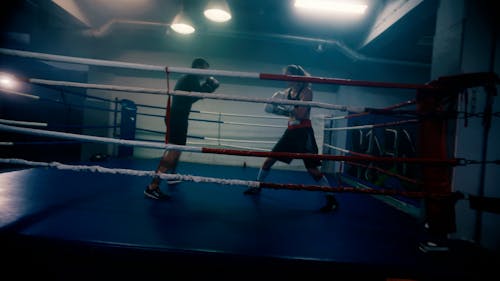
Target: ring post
{"x":439,"y":213}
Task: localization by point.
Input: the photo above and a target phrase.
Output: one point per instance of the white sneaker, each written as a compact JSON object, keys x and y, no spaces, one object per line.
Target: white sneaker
{"x":432,"y":247}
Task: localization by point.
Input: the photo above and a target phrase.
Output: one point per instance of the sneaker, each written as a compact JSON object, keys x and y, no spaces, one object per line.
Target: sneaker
{"x":331,"y":204}
{"x":155,"y":194}
{"x":252,"y":191}
{"x":432,"y":247}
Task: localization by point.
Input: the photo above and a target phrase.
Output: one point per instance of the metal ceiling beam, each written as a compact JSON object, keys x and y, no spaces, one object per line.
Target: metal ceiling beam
{"x":73,"y":9}
{"x":392,"y":12}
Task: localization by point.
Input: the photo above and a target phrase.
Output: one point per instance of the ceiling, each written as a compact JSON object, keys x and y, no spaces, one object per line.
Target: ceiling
{"x":392,"y":30}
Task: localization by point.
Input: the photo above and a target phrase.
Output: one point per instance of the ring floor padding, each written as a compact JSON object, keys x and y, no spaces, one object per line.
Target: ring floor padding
{"x":81,"y":223}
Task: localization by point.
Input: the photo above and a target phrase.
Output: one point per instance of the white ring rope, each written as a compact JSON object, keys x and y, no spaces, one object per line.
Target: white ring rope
{"x":241,"y":141}
{"x":338,"y":117}
{"x":146,"y":144}
{"x":127,"y":65}
{"x":345,"y":150}
{"x":37,"y":124}
{"x":100,"y":169}
{"x":200,"y":112}
{"x":240,"y":115}
{"x":12,"y":92}
{"x":230,"y":145}
{"x":253,"y":124}
{"x":98,"y":86}
{"x":336,"y":148}
{"x":194,"y":94}
{"x":23,"y":123}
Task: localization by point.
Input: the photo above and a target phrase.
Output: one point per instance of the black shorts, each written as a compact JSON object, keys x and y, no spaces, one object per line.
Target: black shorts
{"x":298,"y":140}
{"x":177,"y":132}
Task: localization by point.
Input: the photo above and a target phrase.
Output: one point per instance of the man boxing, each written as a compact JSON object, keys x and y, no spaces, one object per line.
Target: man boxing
{"x":299,"y":136}
{"x":178,"y":125}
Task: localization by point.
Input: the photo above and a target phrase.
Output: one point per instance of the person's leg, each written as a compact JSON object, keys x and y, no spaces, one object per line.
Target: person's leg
{"x":168,"y":162}
{"x":263,"y":172}
{"x":171,"y":167}
{"x":331,"y":202}
{"x":266,"y":167}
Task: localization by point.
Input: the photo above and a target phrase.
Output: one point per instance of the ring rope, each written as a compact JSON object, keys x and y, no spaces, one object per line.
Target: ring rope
{"x":395,"y":106}
{"x":252,"y":124}
{"x":429,"y":161}
{"x":345,"y":150}
{"x":383,"y":171}
{"x":239,"y":115}
{"x":240,"y":141}
{"x":451,"y":114}
{"x":389,"y":173}
{"x":39,"y":143}
{"x":60,"y":102}
{"x":229,"y":145}
{"x":7,"y":91}
{"x":237,"y":123}
{"x":23,"y":123}
{"x":100,"y":169}
{"x":370,"y":126}
{"x":223,"y":142}
{"x":39,"y":124}
{"x":216,"y":113}
{"x":240,"y":74}
{"x":346,"y":82}
{"x":193,"y":94}
{"x":369,"y":166}
{"x":200,"y":179}
{"x":168,"y":107}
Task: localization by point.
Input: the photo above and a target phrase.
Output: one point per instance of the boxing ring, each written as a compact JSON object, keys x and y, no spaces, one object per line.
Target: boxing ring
{"x":89,"y":218}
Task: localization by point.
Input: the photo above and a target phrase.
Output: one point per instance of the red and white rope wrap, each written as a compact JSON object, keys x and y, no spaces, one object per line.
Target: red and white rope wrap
{"x":240,"y":74}
{"x":427,"y":161}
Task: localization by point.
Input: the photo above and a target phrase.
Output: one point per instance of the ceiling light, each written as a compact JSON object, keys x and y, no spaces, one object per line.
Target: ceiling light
{"x":342,"y":6}
{"x":182,"y":24}
{"x":7,"y":81}
{"x":217,"y":11}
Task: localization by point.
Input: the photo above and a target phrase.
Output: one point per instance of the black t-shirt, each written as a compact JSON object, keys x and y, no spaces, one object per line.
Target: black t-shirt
{"x":181,"y":105}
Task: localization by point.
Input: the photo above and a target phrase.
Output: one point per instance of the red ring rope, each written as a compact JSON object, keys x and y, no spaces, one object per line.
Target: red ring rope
{"x":167,"y":113}
{"x":339,"y":81}
{"x":431,"y":161}
{"x":349,"y":189}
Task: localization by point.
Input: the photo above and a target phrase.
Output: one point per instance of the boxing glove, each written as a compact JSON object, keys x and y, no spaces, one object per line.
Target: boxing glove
{"x":210,"y":85}
{"x":279,"y":109}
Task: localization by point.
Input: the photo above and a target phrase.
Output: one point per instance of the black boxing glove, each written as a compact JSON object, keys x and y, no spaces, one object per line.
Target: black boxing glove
{"x":210,"y":85}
